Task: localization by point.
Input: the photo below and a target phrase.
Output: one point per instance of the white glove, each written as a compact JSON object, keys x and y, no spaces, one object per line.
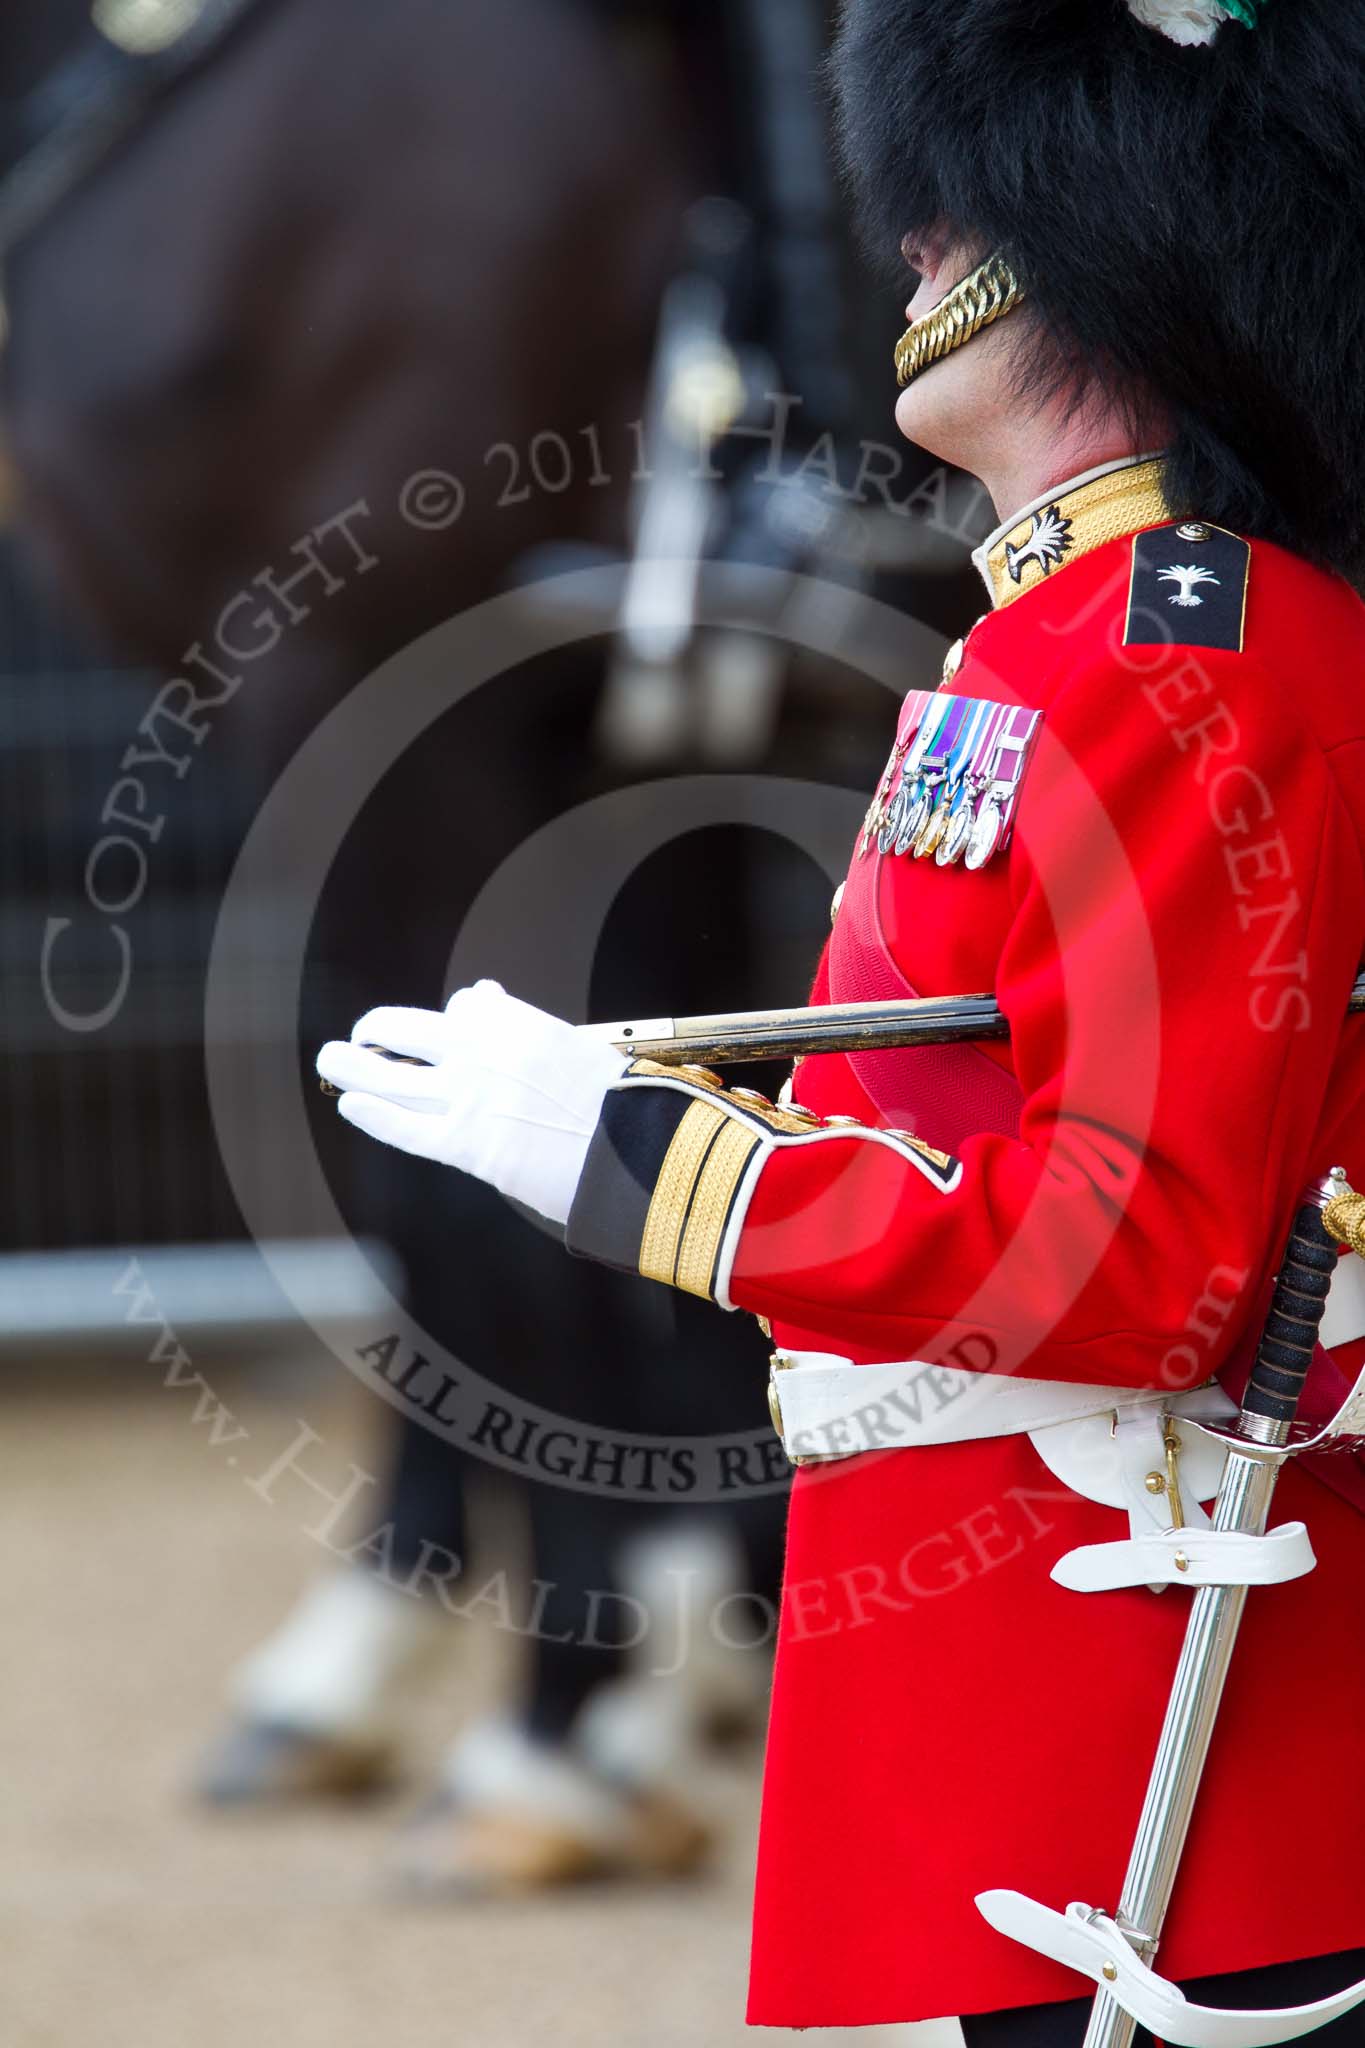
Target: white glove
{"x":508,"y":1093}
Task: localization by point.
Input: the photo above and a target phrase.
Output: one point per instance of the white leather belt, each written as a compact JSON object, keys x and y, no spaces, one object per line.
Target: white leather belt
{"x":1123,"y":1447}
{"x":1096,"y":1946}
{"x":821,"y":1413}
{"x":825,"y":1407}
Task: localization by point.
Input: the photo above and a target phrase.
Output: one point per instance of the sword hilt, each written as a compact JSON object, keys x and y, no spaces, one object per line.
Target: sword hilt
{"x":1297,"y":1308}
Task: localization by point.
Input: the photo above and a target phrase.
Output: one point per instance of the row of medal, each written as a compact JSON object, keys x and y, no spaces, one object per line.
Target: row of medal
{"x":953,"y":779}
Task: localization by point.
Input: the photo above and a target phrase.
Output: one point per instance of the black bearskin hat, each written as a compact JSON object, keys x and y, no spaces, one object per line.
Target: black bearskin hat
{"x":1186,"y":219}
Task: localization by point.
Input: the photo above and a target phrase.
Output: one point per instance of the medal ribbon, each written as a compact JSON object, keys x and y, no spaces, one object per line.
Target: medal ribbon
{"x":1012,"y":746}
{"x":958,"y":789}
{"x":967,"y":739}
{"x":935,"y":717}
{"x":980,"y":767}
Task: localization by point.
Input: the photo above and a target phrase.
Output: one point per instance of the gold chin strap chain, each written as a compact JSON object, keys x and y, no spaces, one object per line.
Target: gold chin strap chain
{"x":991,"y":291}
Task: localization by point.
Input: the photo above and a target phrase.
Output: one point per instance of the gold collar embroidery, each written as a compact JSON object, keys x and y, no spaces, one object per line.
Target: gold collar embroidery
{"x":1101,"y":505}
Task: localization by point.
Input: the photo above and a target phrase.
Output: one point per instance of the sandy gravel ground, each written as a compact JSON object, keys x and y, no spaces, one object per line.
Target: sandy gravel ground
{"x":138,"y":1565}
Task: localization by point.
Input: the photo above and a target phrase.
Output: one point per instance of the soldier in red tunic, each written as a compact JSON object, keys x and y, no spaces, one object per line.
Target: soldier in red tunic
{"x":1004,"y":1281}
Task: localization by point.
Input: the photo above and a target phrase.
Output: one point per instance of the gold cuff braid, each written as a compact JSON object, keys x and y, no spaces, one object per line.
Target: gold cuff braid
{"x":991,"y":291}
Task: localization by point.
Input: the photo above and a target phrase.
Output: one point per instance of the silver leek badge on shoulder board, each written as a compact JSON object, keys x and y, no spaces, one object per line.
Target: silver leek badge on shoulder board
{"x":961,"y":763}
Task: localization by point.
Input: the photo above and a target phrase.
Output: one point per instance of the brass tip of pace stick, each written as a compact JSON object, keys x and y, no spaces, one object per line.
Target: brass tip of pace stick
{"x":401,"y":1059}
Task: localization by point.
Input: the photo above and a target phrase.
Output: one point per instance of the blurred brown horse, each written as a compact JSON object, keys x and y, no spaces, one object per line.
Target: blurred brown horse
{"x":358,"y":242}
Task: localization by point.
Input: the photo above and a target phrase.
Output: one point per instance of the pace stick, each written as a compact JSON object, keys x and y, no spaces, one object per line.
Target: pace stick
{"x":728,"y":1038}
{"x":837,"y":1027}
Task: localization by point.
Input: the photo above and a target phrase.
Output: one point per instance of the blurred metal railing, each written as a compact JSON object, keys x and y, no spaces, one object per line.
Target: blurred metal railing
{"x":106,"y":1139}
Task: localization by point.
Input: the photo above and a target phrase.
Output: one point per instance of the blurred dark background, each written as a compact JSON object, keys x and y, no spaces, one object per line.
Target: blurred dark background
{"x":326,"y":325}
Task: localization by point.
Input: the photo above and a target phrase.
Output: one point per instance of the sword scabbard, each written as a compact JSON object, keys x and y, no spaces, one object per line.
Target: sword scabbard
{"x":1268,"y":1410}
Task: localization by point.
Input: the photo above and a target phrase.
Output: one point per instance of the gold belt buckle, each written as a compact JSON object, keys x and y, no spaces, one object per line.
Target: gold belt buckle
{"x":780,"y":1362}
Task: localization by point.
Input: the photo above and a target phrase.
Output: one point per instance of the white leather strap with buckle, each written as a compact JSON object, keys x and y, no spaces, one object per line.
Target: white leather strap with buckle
{"x":1189,"y":1557}
{"x":1112,"y":1465}
{"x":1093,"y":1944}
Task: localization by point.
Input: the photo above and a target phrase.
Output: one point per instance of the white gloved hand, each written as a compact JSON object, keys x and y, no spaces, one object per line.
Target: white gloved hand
{"x":508,"y":1093}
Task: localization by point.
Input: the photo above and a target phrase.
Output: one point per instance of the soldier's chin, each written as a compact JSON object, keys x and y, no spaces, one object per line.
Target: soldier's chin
{"x":940,"y":409}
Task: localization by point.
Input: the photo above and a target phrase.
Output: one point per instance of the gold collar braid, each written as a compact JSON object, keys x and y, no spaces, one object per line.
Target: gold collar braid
{"x":1101,"y":505}
{"x":991,"y":291}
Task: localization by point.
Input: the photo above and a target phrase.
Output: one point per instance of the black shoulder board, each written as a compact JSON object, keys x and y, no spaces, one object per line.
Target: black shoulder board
{"x":1188,"y":587}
